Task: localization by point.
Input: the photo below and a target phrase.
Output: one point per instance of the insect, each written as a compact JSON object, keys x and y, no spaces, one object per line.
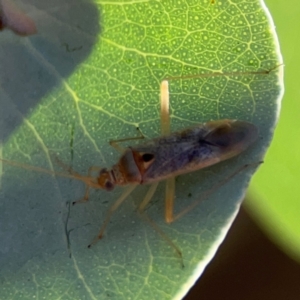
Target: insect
{"x":172,"y":154}
{"x":163,"y":158}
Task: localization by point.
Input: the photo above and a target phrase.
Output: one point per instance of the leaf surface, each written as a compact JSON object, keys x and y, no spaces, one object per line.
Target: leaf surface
{"x":92,"y":74}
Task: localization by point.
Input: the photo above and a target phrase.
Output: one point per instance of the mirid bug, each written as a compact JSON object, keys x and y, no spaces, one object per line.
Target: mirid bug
{"x":163,"y":158}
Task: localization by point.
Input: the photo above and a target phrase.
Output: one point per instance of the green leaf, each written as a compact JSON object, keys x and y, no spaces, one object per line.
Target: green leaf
{"x":92,"y":74}
{"x":274,"y":197}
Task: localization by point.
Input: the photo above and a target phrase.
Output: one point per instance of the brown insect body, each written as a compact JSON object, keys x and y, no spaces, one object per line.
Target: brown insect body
{"x":180,"y":152}
{"x":164,"y":158}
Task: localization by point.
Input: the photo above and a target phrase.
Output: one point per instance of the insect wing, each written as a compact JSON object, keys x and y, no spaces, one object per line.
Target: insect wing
{"x":231,"y":136}
{"x":194,"y":148}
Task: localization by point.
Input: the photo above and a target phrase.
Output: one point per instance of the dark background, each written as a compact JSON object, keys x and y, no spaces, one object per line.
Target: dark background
{"x":248,"y":266}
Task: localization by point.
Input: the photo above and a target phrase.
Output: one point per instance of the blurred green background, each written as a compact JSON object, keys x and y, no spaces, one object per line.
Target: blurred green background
{"x":260,"y":257}
{"x":274,"y":194}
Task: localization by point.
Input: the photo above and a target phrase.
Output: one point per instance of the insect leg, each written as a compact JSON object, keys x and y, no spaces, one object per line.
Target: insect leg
{"x":169,"y":200}
{"x":207,"y":193}
{"x":164,"y":236}
{"x":141,"y":207}
{"x":233,"y":73}
{"x":85,"y":198}
{"x":164,"y":108}
{"x":148,"y":197}
{"x":114,"y":207}
{"x":165,"y":129}
{"x":115,"y":143}
{"x":69,"y":169}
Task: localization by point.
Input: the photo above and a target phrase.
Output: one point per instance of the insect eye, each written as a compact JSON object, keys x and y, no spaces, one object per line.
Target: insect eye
{"x":108,"y":186}
{"x":147,"y":157}
{"x":102,"y":171}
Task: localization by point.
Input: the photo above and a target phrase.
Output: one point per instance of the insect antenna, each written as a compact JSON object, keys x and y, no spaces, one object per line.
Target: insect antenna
{"x":88,"y":180}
